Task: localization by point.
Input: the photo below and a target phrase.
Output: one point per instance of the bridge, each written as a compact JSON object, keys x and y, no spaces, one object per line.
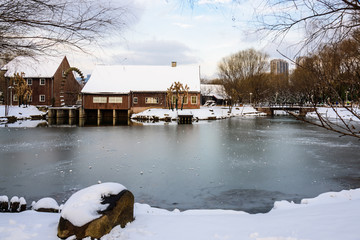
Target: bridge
{"x":299,"y":110}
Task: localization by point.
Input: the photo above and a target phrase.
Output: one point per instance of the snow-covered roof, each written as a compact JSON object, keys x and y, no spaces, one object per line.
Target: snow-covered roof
{"x":124,"y":79}
{"x":216,"y":90}
{"x":33,"y":67}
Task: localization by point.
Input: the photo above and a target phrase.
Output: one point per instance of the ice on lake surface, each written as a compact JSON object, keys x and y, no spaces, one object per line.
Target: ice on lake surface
{"x":238,"y":163}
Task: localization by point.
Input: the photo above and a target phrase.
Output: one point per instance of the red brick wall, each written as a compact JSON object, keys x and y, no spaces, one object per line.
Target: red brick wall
{"x":72,"y":87}
{"x":51,"y":89}
{"x":88,"y":102}
{"x":128,"y":101}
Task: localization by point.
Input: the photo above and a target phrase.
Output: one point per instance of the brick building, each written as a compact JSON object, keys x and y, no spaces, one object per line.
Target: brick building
{"x":44,"y":75}
{"x":136,"y":88}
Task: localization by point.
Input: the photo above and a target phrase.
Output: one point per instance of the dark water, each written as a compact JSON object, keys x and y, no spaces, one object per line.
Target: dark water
{"x":239,"y":163}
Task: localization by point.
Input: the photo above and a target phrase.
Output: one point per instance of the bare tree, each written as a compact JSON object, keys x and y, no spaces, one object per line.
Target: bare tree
{"x":29,"y":27}
{"x":243,"y":73}
{"x":332,"y":77}
{"x":332,"y":38}
{"x":324,"y":21}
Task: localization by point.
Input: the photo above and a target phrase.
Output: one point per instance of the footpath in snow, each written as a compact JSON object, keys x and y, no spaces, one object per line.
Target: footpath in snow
{"x":330,"y":216}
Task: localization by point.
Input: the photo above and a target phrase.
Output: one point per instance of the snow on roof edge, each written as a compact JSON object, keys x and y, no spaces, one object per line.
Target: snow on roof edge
{"x":33,"y":67}
{"x":141,"y":78}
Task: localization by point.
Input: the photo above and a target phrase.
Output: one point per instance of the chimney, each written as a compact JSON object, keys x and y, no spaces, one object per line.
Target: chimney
{"x":173,"y":64}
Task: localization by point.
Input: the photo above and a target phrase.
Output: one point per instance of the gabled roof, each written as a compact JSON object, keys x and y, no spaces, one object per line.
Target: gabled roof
{"x":124,"y":79}
{"x":33,"y":67}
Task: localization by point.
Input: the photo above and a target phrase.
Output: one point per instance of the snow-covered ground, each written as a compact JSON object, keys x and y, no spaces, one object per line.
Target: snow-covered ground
{"x":21,"y":112}
{"x":330,"y":216}
{"x":23,"y":115}
{"x":336,"y":113}
{"x":218,"y":112}
{"x":203,"y":113}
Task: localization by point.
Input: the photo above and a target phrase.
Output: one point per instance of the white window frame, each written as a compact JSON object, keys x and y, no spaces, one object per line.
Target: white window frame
{"x":42,"y":79}
{"x":196,"y":99}
{"x":98,"y":99}
{"x":15,"y":98}
{"x":151,"y":100}
{"x":185,"y":98}
{"x":135,"y":100}
{"x":29,"y":81}
{"x":42,"y":96}
{"x":115,"y":100}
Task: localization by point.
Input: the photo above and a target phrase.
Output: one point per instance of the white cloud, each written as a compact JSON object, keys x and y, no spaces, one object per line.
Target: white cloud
{"x":156,"y":52}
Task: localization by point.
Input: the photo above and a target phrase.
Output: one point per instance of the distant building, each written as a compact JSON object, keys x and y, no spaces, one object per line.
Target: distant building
{"x":44,"y":75}
{"x":279,"y":66}
{"x":300,"y":61}
{"x":213,"y":92}
{"x":125,"y":89}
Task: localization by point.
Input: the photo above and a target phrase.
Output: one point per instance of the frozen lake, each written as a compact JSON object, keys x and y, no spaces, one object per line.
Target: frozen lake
{"x":238,"y":163}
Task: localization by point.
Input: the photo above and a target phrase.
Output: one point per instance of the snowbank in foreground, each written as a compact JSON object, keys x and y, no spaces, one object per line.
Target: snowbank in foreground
{"x":330,"y":216}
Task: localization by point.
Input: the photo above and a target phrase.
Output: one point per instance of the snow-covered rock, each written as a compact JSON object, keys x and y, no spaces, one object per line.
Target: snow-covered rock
{"x":4,"y":203}
{"x":85,"y":205}
{"x":96,"y":210}
{"x":46,"y":205}
{"x":14,"y":204}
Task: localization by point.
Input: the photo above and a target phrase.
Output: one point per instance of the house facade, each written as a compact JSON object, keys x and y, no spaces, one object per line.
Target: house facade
{"x":137,"y":88}
{"x":44,"y":76}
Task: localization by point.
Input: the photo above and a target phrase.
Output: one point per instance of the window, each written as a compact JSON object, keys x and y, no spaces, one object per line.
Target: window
{"x":99,"y":99}
{"x":41,"y":98}
{"x":30,"y":98}
{"x":29,"y":81}
{"x":193,"y":100}
{"x":15,"y":98}
{"x":115,"y":99}
{"x":42,"y":81}
{"x":151,"y":100}
{"x":184,"y":100}
{"x":135,"y":100}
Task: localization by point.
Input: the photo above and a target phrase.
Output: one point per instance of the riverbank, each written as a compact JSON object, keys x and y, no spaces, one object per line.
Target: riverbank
{"x":20,"y":116}
{"x":204,"y":113}
{"x":330,"y":216}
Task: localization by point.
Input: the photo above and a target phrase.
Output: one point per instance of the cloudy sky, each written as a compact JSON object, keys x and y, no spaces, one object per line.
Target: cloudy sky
{"x":162,"y":31}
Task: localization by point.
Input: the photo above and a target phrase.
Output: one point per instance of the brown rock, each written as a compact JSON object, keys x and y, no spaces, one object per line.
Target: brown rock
{"x":119,"y":212}
{"x":4,"y":206}
{"x":46,"y":205}
{"x":14,"y":206}
{"x":22,"y":207}
{"x":48,"y":210}
{"x":22,"y":204}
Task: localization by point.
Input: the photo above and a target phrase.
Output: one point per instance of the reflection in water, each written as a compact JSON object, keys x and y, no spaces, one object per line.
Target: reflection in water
{"x":239,"y":163}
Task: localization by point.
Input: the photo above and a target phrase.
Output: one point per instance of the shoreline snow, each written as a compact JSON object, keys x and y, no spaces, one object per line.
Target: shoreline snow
{"x":23,"y":114}
{"x":330,"y":216}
